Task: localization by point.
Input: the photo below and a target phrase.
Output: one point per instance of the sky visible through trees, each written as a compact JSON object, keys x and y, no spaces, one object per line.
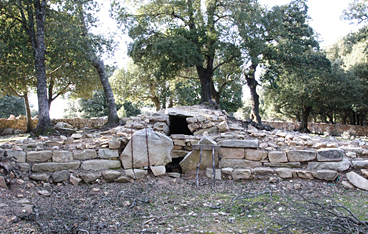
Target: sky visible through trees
{"x":325,"y":21}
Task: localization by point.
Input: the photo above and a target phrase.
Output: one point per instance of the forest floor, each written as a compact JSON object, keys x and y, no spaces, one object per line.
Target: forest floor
{"x":167,"y":205}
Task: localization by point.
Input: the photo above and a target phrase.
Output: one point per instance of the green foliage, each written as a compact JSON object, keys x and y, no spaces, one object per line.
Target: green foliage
{"x":10,"y":105}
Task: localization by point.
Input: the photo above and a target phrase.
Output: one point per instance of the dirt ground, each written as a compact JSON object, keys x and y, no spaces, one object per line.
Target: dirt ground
{"x":168,"y":205}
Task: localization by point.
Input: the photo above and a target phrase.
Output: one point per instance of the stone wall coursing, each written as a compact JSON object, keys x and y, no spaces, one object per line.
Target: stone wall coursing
{"x":332,"y":129}
{"x":19,"y":123}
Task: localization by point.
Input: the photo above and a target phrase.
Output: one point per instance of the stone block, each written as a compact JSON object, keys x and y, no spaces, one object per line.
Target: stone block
{"x":223,"y":126}
{"x":360,"y":164}
{"x":357,"y":180}
{"x":337,"y":166}
{"x":262,"y":170}
{"x":62,"y":156}
{"x":284,"y":173}
{"x":20,"y":156}
{"x":227,"y":170}
{"x":209,"y":173}
{"x":232,"y":153}
{"x":2,"y":183}
{"x":90,"y":177}
{"x":110,"y":175}
{"x":39,"y":156}
{"x":100,"y":164}
{"x":158,"y":170}
{"x":238,"y":163}
{"x":85,"y":154}
{"x":52,"y":166}
{"x":162,"y":127}
{"x":255,"y":155}
{"x":136,"y":174}
{"x":23,"y":167}
{"x":179,"y":153}
{"x":248,"y":144}
{"x":114,"y":144}
{"x":287,"y":165}
{"x":191,"y":160}
{"x":303,"y":174}
{"x":107,"y":153}
{"x":301,"y":155}
{"x":60,"y":176}
{"x":329,"y":175}
{"x":277,"y":156}
{"x":239,"y":174}
{"x":330,"y":155}
{"x":39,"y":177}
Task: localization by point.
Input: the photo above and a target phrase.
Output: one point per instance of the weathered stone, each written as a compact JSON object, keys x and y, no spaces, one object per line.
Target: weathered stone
{"x":60,"y":176}
{"x":227,"y":170}
{"x":223,"y":127}
{"x":74,"y":180}
{"x":364,"y":172}
{"x":2,"y":183}
{"x":136,"y":174}
{"x":179,"y":142}
{"x":329,"y":175}
{"x":20,"y":156}
{"x":250,"y":144}
{"x":159,"y":146}
{"x":100,"y":164}
{"x":255,"y":155}
{"x":360,"y":164}
{"x":44,"y":193}
{"x":158,"y":170}
{"x":107,"y":153}
{"x":76,"y":136}
{"x":337,"y":166}
{"x":162,"y":127}
{"x":62,"y":156}
{"x":174,"y":174}
{"x":2,"y":152}
{"x":284,"y":173}
{"x":110,"y":175}
{"x":39,"y":156}
{"x":330,"y":155}
{"x":193,"y":127}
{"x":239,"y":174}
{"x":262,"y":170}
{"x":287,"y":165}
{"x":53,"y":143}
{"x":39,"y":177}
{"x":90,"y":177}
{"x":179,"y":153}
{"x":23,"y":167}
{"x":208,"y":130}
{"x":85,"y":154}
{"x":123,"y":179}
{"x":347,"y":185}
{"x":352,"y":149}
{"x":301,"y":155}
{"x":114,"y":144}
{"x":277,"y":156}
{"x":52,"y":166}
{"x":357,"y":180}
{"x":303,"y":174}
{"x":232,"y":153}
{"x":238,"y":163}
{"x":209,"y":173}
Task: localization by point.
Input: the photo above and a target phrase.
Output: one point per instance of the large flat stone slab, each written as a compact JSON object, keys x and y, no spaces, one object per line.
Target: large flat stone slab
{"x":330,"y":155}
{"x":108,"y":153}
{"x":62,"y":156}
{"x":53,"y":166}
{"x":357,"y":180}
{"x":238,"y":163}
{"x":337,"y":166}
{"x":85,"y":154}
{"x":301,"y":155}
{"x":100,"y":164}
{"x":248,"y":144}
{"x":39,"y":156}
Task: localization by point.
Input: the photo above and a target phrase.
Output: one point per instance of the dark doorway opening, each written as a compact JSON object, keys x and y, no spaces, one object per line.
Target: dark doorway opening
{"x":179,"y":125}
{"x":174,"y":165}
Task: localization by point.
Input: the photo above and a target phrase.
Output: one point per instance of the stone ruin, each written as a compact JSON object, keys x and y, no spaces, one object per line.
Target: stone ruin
{"x":170,"y":142}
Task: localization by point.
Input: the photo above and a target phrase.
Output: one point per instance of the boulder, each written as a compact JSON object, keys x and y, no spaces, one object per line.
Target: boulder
{"x":330,"y":155}
{"x":301,"y":155}
{"x":239,"y":174}
{"x":159,"y":147}
{"x":357,"y":180}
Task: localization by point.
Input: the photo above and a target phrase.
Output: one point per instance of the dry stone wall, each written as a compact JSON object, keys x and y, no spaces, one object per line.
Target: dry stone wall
{"x":244,"y":153}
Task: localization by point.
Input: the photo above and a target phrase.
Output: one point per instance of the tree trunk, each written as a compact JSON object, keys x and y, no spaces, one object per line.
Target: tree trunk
{"x":252,"y":84}
{"x":206,"y":85}
{"x":44,"y":124}
{"x":156,"y":102}
{"x":304,"y":121}
{"x":28,"y":112}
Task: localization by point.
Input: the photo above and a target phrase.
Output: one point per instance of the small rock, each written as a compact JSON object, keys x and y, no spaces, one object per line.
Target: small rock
{"x":364,"y":172}
{"x":2,"y":183}
{"x":123,"y":179}
{"x":357,"y":180}
{"x":74,"y":180}
{"x":297,"y":186}
{"x":60,"y":176}
{"x":347,"y":185}
{"x":272,"y":180}
{"x":174,"y":174}
{"x":44,"y":193}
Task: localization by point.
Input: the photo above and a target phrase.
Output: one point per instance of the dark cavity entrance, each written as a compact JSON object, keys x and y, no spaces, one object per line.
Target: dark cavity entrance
{"x":174,"y":165}
{"x":179,"y":125}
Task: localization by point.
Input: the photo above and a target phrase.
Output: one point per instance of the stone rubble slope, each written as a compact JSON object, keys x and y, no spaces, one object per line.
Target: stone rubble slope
{"x":245,"y":152}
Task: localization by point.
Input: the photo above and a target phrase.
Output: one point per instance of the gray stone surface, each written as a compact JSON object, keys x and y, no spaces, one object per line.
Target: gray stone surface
{"x":85,"y":154}
{"x":337,"y":166}
{"x":357,"y":180}
{"x":159,"y":146}
{"x":360,"y":164}
{"x":23,"y":167}
{"x":263,"y":170}
{"x":60,"y":176}
{"x":39,"y":156}
{"x":158,"y":170}
{"x":329,"y":175}
{"x":100,"y":164}
{"x":62,"y":156}
{"x":107,"y":153}
{"x":136,"y":173}
{"x":301,"y":155}
{"x":123,"y":179}
{"x":52,"y":166}
{"x":74,"y":180}
{"x":250,"y":144}
{"x":288,"y":164}
{"x":40,"y":177}
{"x":209,"y":173}
{"x":179,"y":153}
{"x":238,"y":163}
{"x":284,"y":173}
{"x":303,"y":174}
{"x":330,"y":155}
{"x":277,"y":156}
{"x":239,"y":174}
{"x":20,"y":156}
{"x":2,"y":183}
{"x":90,"y":177}
{"x":255,"y":155}
{"x":110,"y":175}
